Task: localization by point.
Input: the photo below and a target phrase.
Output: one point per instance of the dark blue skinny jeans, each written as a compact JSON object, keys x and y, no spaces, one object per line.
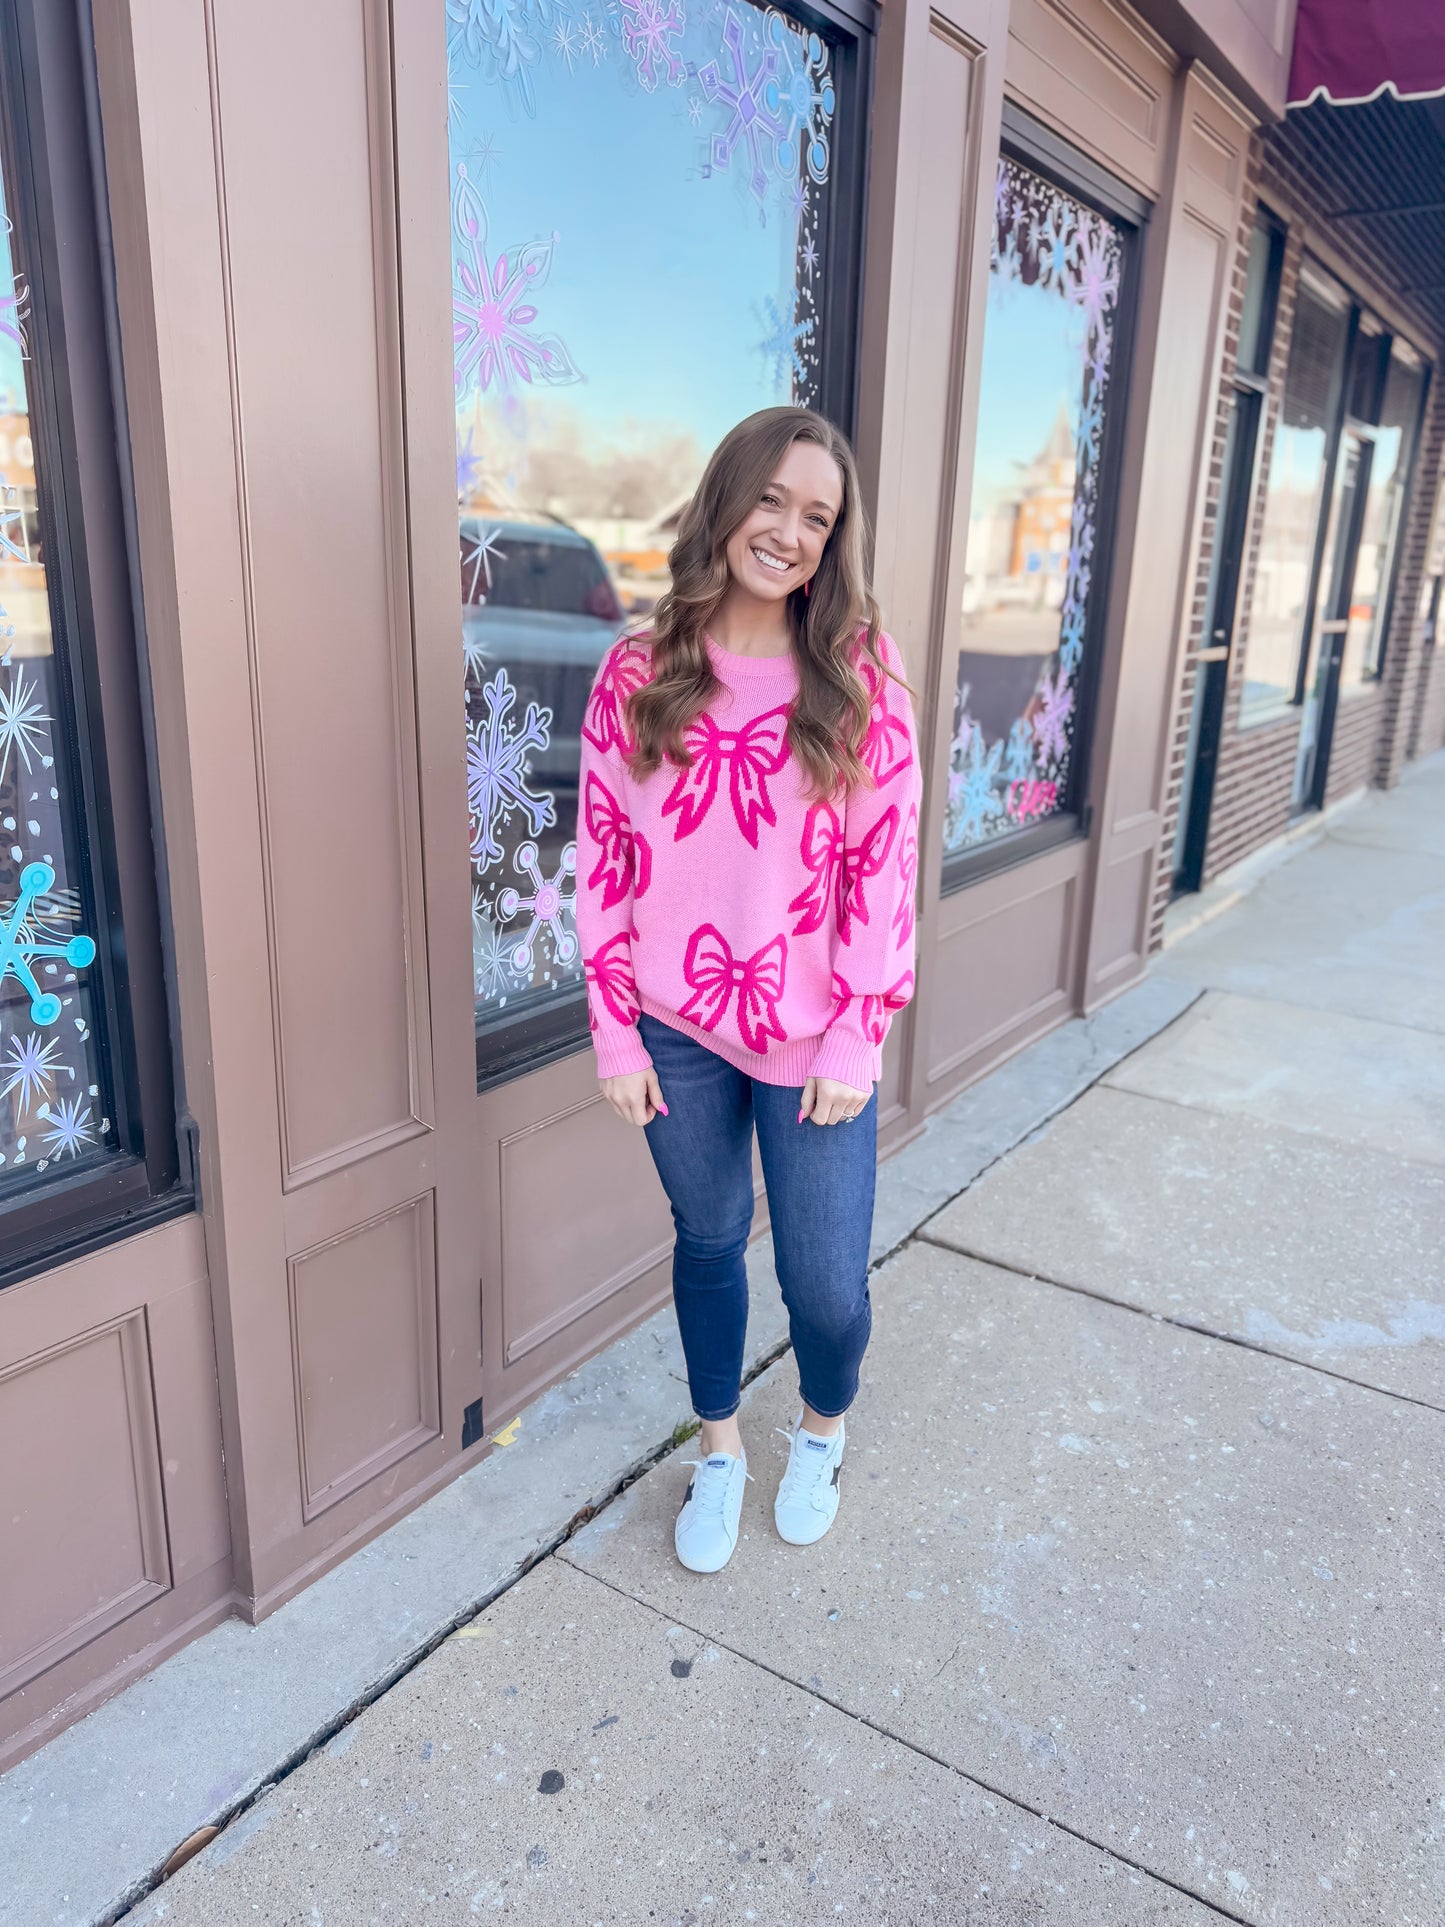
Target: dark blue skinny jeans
{"x":820,"y":1181}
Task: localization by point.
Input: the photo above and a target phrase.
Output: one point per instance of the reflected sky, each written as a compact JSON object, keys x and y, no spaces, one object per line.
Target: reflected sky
{"x":1032,"y":351}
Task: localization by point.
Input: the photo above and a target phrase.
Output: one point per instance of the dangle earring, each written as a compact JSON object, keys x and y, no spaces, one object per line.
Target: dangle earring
{"x":808,"y":586}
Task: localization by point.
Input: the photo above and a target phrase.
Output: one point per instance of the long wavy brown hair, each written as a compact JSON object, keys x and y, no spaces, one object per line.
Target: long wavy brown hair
{"x":828,"y":718}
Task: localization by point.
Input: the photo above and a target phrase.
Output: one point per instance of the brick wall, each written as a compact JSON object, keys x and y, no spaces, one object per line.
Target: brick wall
{"x":1402,"y":714}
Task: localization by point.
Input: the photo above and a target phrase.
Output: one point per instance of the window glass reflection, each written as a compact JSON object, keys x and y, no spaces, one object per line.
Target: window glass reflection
{"x":1380,"y":525}
{"x":1048,"y":341}
{"x":639,"y":227}
{"x":1293,"y":498}
{"x":52,"y":1103}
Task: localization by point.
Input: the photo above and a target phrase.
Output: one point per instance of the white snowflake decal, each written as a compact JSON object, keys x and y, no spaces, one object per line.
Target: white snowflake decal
{"x":593,"y":40}
{"x":69,"y":1129}
{"x":497,"y":756}
{"x":548,"y":907}
{"x":32,"y":1067}
{"x":491,"y":959}
{"x":22,"y":721}
{"x":647,"y":30}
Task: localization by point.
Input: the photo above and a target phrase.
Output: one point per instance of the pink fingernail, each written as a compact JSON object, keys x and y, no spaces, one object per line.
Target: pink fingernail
{"x":800,"y":1117}
{"x":662,"y":1107}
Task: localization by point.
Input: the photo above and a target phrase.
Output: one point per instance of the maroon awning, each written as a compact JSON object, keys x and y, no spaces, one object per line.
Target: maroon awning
{"x":1352,"y":50}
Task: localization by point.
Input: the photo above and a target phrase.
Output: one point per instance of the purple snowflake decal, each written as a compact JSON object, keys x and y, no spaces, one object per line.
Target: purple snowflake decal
{"x":1051,"y":719}
{"x":751,"y":123}
{"x":493,"y":308}
{"x":497,"y":772}
{"x":647,"y":30}
{"x":548,"y":908}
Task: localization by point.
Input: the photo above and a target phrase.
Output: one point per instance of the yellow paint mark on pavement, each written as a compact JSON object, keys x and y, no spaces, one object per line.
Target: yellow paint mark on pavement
{"x":508,"y":1433}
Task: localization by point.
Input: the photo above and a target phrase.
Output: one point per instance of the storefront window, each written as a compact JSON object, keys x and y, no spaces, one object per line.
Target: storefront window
{"x":1380,"y":524}
{"x":644,"y":220}
{"x":53,"y":1111}
{"x":1293,"y":497}
{"x":1029,"y":592}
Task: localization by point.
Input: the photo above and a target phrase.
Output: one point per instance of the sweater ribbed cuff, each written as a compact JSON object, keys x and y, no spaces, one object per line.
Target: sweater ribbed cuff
{"x":620,"y":1051}
{"x":849,"y":1059}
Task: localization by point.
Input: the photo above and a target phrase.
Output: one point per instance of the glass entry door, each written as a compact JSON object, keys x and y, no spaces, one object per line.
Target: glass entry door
{"x":1321,"y":669}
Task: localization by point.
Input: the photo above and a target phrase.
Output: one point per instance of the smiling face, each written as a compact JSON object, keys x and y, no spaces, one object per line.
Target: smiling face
{"x":780,"y":544}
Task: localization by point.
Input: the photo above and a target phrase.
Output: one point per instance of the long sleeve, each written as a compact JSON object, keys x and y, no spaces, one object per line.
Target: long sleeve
{"x":874,"y":902}
{"x":614,"y":866}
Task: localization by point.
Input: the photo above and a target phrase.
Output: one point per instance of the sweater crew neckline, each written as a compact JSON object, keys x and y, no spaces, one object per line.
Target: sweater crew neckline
{"x":732,"y":667}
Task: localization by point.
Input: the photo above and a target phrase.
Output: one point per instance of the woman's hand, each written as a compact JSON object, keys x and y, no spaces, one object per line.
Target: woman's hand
{"x":827,"y":1101}
{"x":637,"y":1097}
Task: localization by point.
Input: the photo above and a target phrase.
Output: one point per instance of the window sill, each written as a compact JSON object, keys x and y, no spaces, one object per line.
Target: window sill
{"x":1007,"y":852}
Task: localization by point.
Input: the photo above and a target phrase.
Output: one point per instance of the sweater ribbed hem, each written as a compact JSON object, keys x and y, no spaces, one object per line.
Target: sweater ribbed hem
{"x":620,"y":1052}
{"x":791,"y":1063}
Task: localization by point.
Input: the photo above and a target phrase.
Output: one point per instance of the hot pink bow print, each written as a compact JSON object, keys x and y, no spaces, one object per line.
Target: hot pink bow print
{"x":873,"y":1010}
{"x":611,"y":971}
{"x":839,"y":873}
{"x":623,"y":855}
{"x":907,"y":876}
{"x":713,"y":973}
{"x":885,"y":748}
{"x":752,"y":755}
{"x":624,"y":669}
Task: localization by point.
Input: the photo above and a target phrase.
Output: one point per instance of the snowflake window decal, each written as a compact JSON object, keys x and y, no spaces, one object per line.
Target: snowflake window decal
{"x":24,"y":937}
{"x":743,"y":91}
{"x":493,"y":308}
{"x":750,"y":106}
{"x":498,"y":754}
{"x":1046,"y":242}
{"x":648,"y":30}
{"x":548,"y":908}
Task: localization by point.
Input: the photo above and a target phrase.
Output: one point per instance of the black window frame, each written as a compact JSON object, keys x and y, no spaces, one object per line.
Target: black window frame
{"x":1036,"y":146}
{"x":1249,"y":405}
{"x":54,"y":163}
{"x":509,"y":1050}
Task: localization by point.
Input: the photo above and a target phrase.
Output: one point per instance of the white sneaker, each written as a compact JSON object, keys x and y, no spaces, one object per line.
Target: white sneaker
{"x":807,"y":1501}
{"x":707,"y":1526}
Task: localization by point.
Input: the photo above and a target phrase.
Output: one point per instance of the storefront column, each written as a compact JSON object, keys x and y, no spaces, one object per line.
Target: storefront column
{"x":1179,"y":339}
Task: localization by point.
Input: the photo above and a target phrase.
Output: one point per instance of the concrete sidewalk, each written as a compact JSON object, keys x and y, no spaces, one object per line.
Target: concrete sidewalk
{"x":1132,"y":1611}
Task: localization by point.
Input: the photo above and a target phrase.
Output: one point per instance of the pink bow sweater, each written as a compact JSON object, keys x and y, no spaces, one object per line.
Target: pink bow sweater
{"x":775,"y":929}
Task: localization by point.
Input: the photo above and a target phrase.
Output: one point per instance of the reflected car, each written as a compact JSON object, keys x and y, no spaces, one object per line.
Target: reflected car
{"x":537,"y":601}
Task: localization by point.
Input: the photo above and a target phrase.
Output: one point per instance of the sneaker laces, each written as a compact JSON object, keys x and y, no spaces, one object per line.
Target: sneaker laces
{"x":803,"y":1478}
{"x":710,"y":1492}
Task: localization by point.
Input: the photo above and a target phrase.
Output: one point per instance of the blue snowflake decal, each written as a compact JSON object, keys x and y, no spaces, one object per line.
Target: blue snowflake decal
{"x":23,"y":939}
{"x":802,"y":97}
{"x":497,"y":757}
{"x":781,"y":346}
{"x":974,"y":801}
{"x":493,"y":36}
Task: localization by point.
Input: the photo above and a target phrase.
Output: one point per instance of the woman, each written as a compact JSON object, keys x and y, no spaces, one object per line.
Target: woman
{"x":746,"y":851}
